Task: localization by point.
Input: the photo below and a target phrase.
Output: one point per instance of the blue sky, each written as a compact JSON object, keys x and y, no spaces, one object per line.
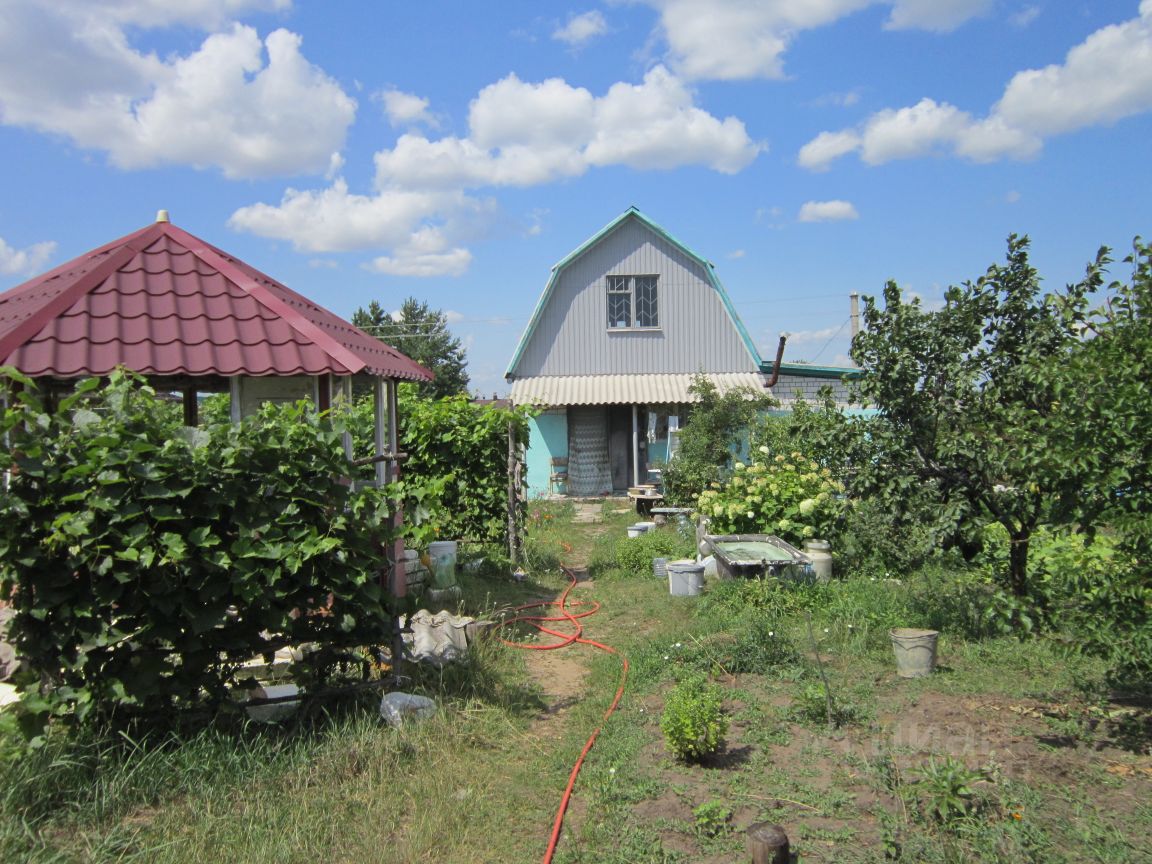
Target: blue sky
{"x":364,"y":150}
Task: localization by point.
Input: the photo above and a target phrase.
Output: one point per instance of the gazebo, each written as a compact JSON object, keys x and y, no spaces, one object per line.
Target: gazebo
{"x":192,"y":318}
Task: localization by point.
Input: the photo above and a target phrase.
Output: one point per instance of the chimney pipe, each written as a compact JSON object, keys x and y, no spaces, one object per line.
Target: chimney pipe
{"x":771,"y":382}
{"x":854,"y":315}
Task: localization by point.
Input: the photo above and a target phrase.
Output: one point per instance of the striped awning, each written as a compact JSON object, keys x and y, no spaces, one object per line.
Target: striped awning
{"x":651,"y":389}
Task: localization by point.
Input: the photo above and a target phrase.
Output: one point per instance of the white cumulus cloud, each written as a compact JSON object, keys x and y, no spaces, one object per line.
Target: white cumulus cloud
{"x":251,"y":107}
{"x":827,"y":211}
{"x":938,"y":15}
{"x":827,"y":147}
{"x":736,"y":39}
{"x":424,"y":202}
{"x":807,"y":337}
{"x":581,"y":29}
{"x":25,"y":262}
{"x":1103,"y":80}
{"x":916,"y":131}
{"x":405,"y":109}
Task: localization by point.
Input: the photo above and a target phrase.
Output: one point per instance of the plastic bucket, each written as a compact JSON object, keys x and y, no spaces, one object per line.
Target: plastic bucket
{"x":442,"y":554}
{"x":915,"y":651}
{"x":685,"y":578}
{"x":635,"y":531}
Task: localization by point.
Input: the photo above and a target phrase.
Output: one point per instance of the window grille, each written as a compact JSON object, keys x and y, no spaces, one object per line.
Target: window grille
{"x":633,"y":301}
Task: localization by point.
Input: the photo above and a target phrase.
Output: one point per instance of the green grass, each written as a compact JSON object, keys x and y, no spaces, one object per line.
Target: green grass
{"x":481,"y":780}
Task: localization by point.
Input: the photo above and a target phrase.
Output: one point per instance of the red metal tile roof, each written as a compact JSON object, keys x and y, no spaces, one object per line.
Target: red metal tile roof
{"x":161,"y":301}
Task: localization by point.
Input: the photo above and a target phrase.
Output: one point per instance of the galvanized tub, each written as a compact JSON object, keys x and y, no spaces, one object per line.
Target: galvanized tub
{"x":743,"y":556}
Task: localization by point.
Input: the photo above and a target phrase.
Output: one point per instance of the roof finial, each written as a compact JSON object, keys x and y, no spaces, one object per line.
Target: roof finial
{"x":161,"y":215}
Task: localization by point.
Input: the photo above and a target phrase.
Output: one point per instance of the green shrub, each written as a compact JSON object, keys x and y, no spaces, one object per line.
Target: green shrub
{"x":634,"y":554}
{"x":146,"y":564}
{"x":717,"y":427}
{"x":463,"y":445}
{"x":693,"y":721}
{"x":712,"y":819}
{"x":790,"y":496}
{"x":872,"y":538}
{"x":811,"y":707}
{"x":945,"y":791}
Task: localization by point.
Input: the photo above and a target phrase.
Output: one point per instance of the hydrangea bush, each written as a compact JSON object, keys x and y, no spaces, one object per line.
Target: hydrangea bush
{"x":787,"y":495}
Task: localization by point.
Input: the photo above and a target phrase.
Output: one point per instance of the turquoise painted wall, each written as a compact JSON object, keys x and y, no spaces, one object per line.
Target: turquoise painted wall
{"x":548,"y":438}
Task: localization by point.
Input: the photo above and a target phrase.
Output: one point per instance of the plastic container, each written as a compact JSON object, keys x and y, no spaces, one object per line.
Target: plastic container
{"x":915,"y":651}
{"x":442,"y":554}
{"x":660,"y":568}
{"x":634,"y":531}
{"x":685,"y":578}
{"x":415,"y":573}
{"x":819,"y":552}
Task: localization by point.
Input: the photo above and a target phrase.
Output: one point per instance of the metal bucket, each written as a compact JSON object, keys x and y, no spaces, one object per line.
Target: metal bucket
{"x":915,"y":651}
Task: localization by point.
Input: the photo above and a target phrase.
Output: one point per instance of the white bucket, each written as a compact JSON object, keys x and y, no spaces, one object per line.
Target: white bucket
{"x":685,"y":578}
{"x":915,"y":651}
{"x":635,"y":531}
{"x":647,"y":526}
{"x":442,"y":554}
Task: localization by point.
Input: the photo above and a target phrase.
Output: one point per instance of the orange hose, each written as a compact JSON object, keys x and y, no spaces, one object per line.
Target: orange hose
{"x":566,"y":639}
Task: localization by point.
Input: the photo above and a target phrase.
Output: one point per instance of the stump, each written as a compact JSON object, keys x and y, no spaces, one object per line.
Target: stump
{"x":768,"y":844}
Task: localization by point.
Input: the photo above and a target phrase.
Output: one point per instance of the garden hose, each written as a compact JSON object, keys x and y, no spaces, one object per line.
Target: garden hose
{"x":565,"y":639}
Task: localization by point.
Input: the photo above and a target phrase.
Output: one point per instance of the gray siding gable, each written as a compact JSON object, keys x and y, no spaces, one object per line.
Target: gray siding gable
{"x":570,"y":336}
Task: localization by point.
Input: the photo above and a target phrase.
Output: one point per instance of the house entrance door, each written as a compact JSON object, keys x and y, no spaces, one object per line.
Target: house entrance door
{"x":620,"y":445}
{"x":588,"y":471}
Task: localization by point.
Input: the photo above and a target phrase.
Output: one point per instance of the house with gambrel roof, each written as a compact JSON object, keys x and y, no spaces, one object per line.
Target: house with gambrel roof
{"x":624,"y":325}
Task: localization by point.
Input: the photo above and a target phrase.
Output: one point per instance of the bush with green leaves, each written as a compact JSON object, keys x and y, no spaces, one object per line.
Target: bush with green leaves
{"x":147,"y":562}
{"x":812,"y":706}
{"x":790,"y":496}
{"x":712,"y":819}
{"x":716,"y":430}
{"x":946,"y":791}
{"x":634,"y":554}
{"x":1093,"y":590}
{"x":694,"y":722}
{"x":462,"y":445}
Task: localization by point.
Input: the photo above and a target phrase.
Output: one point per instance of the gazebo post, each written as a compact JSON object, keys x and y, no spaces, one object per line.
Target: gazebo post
{"x":191,"y":406}
{"x":346,"y":398}
{"x":393,"y":576}
{"x":234,"y":398}
{"x":379,"y":406}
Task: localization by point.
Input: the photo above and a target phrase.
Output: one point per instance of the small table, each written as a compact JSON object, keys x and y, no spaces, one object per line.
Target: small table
{"x":644,"y":497}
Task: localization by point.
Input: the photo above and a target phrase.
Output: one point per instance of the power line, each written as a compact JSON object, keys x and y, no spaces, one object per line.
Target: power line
{"x":830,"y":340}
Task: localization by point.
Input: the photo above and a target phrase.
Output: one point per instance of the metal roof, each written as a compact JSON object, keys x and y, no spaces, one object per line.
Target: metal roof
{"x":652,"y":389}
{"x":630,"y":213}
{"x":807,"y":370}
{"x":161,"y":301}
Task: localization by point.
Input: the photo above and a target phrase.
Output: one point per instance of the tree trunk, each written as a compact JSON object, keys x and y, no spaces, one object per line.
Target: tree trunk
{"x":1018,"y":561}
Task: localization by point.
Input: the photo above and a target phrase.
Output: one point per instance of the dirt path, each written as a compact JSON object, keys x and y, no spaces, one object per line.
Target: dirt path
{"x":561,"y":675}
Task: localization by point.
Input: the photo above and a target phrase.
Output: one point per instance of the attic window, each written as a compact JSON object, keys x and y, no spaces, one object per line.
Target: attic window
{"x":633,"y":302}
